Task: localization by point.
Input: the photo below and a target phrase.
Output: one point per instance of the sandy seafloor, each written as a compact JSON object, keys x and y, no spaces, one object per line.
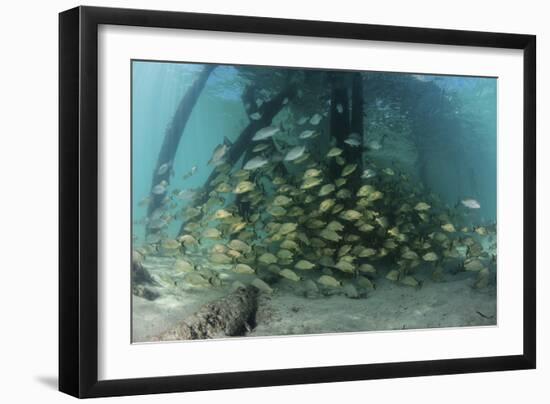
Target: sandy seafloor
{"x":391,"y":306}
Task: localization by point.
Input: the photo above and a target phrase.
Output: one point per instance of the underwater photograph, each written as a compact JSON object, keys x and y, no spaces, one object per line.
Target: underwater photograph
{"x":275,"y":201}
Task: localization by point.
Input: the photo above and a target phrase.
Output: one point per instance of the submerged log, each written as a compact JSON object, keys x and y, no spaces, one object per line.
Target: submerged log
{"x":229,"y":316}
{"x":141,"y":279}
{"x":173,"y":135}
{"x":139,"y":274}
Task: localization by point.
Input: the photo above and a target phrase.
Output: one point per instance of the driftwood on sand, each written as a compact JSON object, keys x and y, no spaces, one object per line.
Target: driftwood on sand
{"x":141,"y":279}
{"x":231,"y":315}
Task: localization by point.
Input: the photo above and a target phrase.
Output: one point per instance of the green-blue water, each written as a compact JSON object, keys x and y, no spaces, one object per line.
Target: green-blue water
{"x":419,"y":139}
{"x":462,"y":148}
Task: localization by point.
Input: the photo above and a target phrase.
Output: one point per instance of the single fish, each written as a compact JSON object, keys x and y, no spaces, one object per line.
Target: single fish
{"x":302,"y":158}
{"x":471,"y":203}
{"x":303,"y":120}
{"x":422,"y":206}
{"x":265,"y":133}
{"x":339,"y":108}
{"x":260,"y":147}
{"x":170,"y":244}
{"x":218,"y":258}
{"x":327,"y":280}
{"x":223,"y":188}
{"x":243,"y":187}
{"x":255,"y":116}
{"x":304,"y":265}
{"x":288,"y":274}
{"x":212,"y":233}
{"x":312,"y":172}
{"x":326,"y":189}
{"x":255,"y":163}
{"x":330,"y":235}
{"x":267,"y":258}
{"x":347,"y":170}
{"x":448,"y":227}
{"x":160,"y":189}
{"x":287,"y":228}
{"x":374,"y":145}
{"x":240,"y":246}
{"x":193,"y":170}
{"x":243,"y":269}
{"x":295,"y":153}
{"x":222,"y":214}
{"x":186,"y":194}
{"x":352,"y":142}
{"x":326,"y":205}
{"x":218,"y":156}
{"x":334,"y":152}
{"x":281,"y":200}
{"x":430,"y":256}
{"x":315,"y":119}
{"x":365,"y":190}
{"x":409,"y":281}
{"x":188,"y":240}
{"x":368,"y":173}
{"x":306,"y":134}
{"x":163,"y":169}
{"x":345,"y":266}
{"x":350,"y":215}
{"x":311,"y":182}
{"x":482,"y":231}
{"x":261,"y":286}
{"x":276,"y":211}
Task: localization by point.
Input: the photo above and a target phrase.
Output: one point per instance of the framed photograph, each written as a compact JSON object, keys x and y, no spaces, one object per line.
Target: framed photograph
{"x":252,"y":201}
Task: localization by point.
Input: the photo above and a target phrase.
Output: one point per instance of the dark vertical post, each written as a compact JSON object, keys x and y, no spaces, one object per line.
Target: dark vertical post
{"x":339,"y":120}
{"x":357,"y":104}
{"x":339,"y":127}
{"x":355,"y":154}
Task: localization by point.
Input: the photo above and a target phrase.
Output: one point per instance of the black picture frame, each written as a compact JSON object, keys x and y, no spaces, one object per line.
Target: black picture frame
{"x":78,"y":196}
